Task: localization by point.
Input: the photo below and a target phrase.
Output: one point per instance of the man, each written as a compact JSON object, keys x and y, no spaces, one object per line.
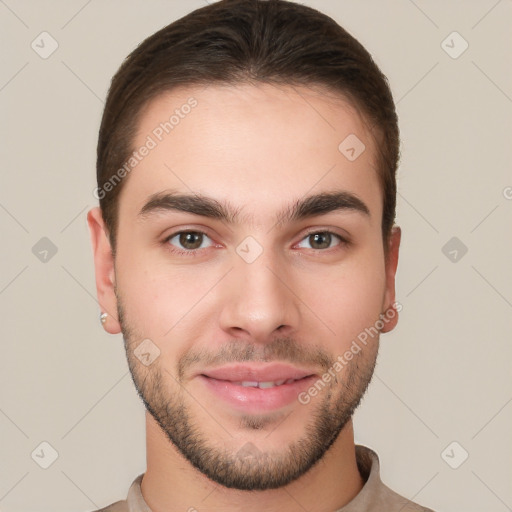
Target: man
{"x":245,"y":248}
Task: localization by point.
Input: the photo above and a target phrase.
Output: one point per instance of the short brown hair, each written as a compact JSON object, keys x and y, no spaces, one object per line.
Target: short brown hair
{"x":246,"y":41}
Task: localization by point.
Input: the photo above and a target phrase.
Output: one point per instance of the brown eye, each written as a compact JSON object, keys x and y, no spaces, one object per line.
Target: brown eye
{"x":321,"y":240}
{"x":191,"y":240}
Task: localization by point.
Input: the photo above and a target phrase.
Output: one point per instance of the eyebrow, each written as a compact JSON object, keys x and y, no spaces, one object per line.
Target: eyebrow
{"x":303,"y":208}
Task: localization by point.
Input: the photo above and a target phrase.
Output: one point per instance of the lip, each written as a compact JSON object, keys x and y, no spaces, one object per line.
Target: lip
{"x":255,"y":372}
{"x":222,"y":382}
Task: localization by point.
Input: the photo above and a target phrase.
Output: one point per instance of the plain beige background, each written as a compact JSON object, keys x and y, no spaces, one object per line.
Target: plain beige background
{"x":444,"y":375}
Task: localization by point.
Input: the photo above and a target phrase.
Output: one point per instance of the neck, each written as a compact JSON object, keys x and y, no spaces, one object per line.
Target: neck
{"x":172,"y":484}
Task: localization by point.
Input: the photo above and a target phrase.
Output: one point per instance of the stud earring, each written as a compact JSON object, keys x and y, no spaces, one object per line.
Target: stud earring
{"x":103,"y":318}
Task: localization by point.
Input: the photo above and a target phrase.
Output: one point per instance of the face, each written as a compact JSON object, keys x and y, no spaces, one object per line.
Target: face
{"x":249,"y":258}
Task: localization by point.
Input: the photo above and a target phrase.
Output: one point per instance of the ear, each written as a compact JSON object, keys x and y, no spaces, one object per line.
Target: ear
{"x":105,"y":271}
{"x":391,"y":265}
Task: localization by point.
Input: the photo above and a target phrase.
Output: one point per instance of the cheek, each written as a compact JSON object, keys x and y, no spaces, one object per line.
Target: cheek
{"x":160,"y":300}
{"x":173,"y":306}
{"x":349,"y":299}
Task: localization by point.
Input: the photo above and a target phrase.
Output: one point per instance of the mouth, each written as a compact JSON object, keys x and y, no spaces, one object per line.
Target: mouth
{"x":264,"y":384}
{"x":256,"y":388}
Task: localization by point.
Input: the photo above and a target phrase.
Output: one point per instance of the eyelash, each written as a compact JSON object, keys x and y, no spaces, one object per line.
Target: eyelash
{"x":343,"y":242}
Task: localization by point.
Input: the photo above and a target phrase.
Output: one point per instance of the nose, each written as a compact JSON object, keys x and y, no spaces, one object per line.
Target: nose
{"x":258,"y":301}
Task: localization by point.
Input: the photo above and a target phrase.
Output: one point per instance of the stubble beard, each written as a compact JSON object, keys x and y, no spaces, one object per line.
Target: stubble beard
{"x":248,"y":468}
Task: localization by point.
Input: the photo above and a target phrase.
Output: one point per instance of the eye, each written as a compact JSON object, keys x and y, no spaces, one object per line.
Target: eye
{"x":322,"y":240}
{"x":188,"y":241}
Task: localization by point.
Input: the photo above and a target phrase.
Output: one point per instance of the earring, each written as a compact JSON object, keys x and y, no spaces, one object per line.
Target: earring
{"x":103,"y":318}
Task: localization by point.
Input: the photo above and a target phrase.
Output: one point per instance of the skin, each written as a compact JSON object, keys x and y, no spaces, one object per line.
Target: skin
{"x":259,"y":148}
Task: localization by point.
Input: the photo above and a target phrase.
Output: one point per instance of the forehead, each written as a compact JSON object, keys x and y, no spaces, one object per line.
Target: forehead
{"x":251,"y":144}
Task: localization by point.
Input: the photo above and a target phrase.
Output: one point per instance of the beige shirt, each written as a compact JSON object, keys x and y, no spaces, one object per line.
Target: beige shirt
{"x":374,"y":496}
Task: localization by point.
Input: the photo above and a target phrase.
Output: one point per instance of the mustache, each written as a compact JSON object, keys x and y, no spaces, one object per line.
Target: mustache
{"x":278,"y":350}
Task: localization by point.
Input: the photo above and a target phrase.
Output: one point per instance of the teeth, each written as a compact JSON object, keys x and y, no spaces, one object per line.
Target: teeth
{"x":263,"y":385}
{"x":248,"y":384}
